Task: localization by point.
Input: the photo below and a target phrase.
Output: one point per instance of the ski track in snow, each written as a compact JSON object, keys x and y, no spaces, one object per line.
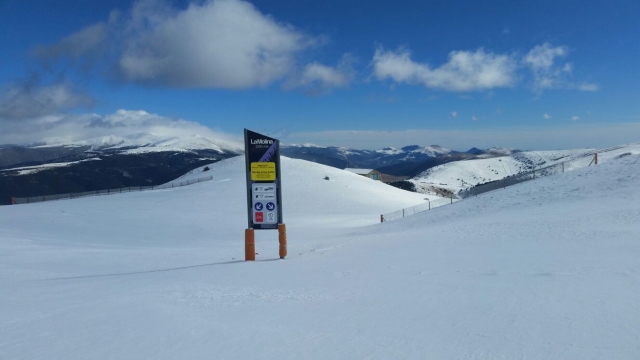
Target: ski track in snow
{"x":546,"y":269}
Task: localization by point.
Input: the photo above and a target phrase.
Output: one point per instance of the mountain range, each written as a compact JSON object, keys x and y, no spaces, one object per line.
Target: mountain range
{"x":145,"y":160}
{"x":407,"y":161}
{"x":38,"y":170}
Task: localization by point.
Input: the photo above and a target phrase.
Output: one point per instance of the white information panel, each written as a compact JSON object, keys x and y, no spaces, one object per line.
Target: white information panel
{"x":264,"y":197}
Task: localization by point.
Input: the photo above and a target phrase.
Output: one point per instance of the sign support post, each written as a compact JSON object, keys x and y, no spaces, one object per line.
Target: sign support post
{"x":264,"y":190}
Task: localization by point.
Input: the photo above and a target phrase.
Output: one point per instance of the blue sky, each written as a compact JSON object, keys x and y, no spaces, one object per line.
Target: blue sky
{"x":369,"y":74}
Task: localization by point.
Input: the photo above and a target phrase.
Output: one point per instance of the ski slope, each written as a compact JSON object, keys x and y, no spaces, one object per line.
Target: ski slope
{"x":459,"y":175}
{"x":547,"y":269}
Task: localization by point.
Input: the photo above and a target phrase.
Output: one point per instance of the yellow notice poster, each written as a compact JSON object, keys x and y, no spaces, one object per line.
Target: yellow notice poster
{"x":263,"y":171}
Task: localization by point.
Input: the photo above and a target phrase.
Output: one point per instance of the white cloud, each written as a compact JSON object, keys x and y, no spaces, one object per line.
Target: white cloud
{"x":541,"y":60}
{"x":454,"y":114}
{"x":227,"y":44}
{"x":476,"y":71}
{"x":90,"y":40}
{"x":211,"y":44}
{"x":542,"y":57}
{"x":465,"y":70}
{"x":128,"y":126}
{"x":588,"y":87}
{"x":317,"y":78}
{"x":325,"y":75}
{"x":547,"y":74}
{"x":575,"y":118}
{"x":546,"y":116}
{"x":474,"y":118}
{"x":31,"y":99}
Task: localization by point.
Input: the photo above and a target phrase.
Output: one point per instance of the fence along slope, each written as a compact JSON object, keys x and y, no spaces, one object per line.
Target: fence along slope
{"x":35,"y":199}
{"x":416,"y":209}
{"x":582,"y":161}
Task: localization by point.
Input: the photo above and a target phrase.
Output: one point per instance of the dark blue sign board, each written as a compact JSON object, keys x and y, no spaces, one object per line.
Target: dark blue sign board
{"x":264,"y":192}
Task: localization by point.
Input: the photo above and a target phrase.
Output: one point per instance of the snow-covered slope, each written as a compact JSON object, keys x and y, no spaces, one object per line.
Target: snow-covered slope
{"x":459,"y":175}
{"x":346,"y":199}
{"x":26,"y":170}
{"x":127,"y":129}
{"x":547,"y":269}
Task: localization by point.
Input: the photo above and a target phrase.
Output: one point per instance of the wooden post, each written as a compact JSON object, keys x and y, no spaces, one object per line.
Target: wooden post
{"x":596,"y":158}
{"x":249,"y":245}
{"x":13,"y":201}
{"x":282,"y":239}
{"x":381,"y":218}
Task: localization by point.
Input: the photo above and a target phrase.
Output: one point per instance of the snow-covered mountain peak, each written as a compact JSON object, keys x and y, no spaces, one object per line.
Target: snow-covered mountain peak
{"x":432,"y":150}
{"x":148,"y":142}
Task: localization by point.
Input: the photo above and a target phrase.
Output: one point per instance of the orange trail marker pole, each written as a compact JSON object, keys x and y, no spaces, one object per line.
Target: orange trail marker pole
{"x":249,"y":245}
{"x":282,"y":239}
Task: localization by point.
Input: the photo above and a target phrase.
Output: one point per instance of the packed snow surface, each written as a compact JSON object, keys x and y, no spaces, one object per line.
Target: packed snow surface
{"x":546,"y":269}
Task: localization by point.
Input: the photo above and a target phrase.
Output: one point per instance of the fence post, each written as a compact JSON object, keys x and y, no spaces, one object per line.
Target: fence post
{"x":402,"y":212}
{"x":562,"y":166}
{"x":282,"y":240}
{"x":596,"y":158}
{"x":429,"y":204}
{"x":13,"y":201}
{"x":381,"y":217}
{"x":249,"y":245}
{"x":452,"y":197}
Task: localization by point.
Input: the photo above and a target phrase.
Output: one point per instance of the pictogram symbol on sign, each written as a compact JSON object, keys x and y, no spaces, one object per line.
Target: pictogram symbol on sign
{"x":258,"y":206}
{"x":259,"y":217}
{"x":270,"y":206}
{"x":271,"y":217}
